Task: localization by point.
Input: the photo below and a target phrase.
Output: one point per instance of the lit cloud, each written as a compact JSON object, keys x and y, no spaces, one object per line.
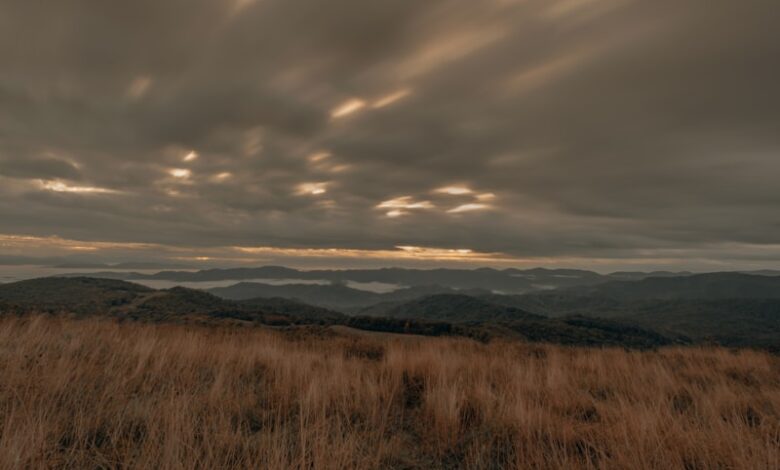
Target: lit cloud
{"x":468,"y":208}
{"x":349,"y":107}
{"x":312,"y":189}
{"x":191,"y":156}
{"x":319,"y":157}
{"x":181,"y":173}
{"x":222,"y":176}
{"x":455,"y":46}
{"x":402,"y":206}
{"x":323,"y":161}
{"x":405,"y":202}
{"x":139,"y":87}
{"x":454,"y":190}
{"x":547,"y":123}
{"x":62,"y":187}
{"x":436,"y":251}
{"x":390,"y":99}
{"x":339,"y":168}
{"x":546,"y":73}
{"x":53,"y":245}
{"x":402,"y":252}
{"x":42,"y":244}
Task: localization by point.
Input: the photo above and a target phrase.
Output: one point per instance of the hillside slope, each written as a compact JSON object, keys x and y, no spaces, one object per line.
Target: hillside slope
{"x":79,"y":295}
{"x":452,"y":308}
{"x":711,"y":286}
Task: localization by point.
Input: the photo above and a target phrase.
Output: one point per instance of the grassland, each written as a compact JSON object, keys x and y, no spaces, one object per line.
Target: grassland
{"x":95,"y":393}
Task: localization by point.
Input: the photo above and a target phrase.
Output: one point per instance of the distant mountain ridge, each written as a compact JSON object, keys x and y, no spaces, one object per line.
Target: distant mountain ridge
{"x":127,"y":301}
{"x":728,"y":308}
{"x":733,"y":309}
{"x":708,"y":286}
{"x":508,"y":280}
{"x":337,"y":296}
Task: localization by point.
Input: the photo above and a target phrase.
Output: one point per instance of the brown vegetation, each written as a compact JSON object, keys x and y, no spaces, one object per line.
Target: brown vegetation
{"x":98,"y":394}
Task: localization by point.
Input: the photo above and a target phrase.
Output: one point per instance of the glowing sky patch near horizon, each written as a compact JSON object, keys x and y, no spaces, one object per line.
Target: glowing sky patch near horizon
{"x":27,"y":242}
{"x":399,"y":252}
{"x":55,"y":246}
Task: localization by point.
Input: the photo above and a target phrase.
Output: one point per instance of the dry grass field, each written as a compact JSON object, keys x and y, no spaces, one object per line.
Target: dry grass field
{"x":100,"y":394}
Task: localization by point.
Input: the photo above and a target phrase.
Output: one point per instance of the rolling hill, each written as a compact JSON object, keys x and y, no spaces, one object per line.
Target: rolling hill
{"x":79,"y":295}
{"x":334,"y":296}
{"x":454,"y":315}
{"x":451,"y":308}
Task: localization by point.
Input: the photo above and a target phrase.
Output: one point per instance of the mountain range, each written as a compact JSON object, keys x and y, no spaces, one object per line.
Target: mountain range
{"x":504,"y":281}
{"x":127,"y":301}
{"x":728,"y":308}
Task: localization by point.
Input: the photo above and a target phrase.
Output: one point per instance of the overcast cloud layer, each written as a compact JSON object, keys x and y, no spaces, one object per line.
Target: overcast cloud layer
{"x":567,"y":132}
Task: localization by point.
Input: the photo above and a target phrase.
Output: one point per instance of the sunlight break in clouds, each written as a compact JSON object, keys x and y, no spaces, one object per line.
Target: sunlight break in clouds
{"x":405,"y":202}
{"x":181,"y":173}
{"x":399,"y":205}
{"x":390,"y":99}
{"x":403,"y":252}
{"x":319,"y":156}
{"x":454,"y":190}
{"x":222,"y":176}
{"x":468,"y":208}
{"x":313,"y":189}
{"x":191,"y":156}
{"x":30,"y":242}
{"x":348,"y":108}
{"x":60,"y":187}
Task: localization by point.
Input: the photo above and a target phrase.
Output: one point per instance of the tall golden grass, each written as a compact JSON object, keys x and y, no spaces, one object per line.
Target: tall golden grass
{"x":99,"y":394}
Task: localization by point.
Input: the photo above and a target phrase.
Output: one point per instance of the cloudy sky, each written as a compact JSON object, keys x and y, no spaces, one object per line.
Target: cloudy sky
{"x":603,"y":134}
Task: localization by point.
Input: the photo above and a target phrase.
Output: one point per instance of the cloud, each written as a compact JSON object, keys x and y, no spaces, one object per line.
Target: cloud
{"x":39,"y":167}
{"x":592,"y":130}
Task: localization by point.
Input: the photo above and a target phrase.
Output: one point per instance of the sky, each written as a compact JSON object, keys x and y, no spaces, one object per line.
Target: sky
{"x":599,"y":134}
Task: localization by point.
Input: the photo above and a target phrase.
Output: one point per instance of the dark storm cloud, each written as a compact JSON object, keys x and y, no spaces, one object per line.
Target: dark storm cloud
{"x":633,"y":130}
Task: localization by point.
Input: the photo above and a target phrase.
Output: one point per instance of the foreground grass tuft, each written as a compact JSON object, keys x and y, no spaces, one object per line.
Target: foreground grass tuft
{"x":98,"y":394}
